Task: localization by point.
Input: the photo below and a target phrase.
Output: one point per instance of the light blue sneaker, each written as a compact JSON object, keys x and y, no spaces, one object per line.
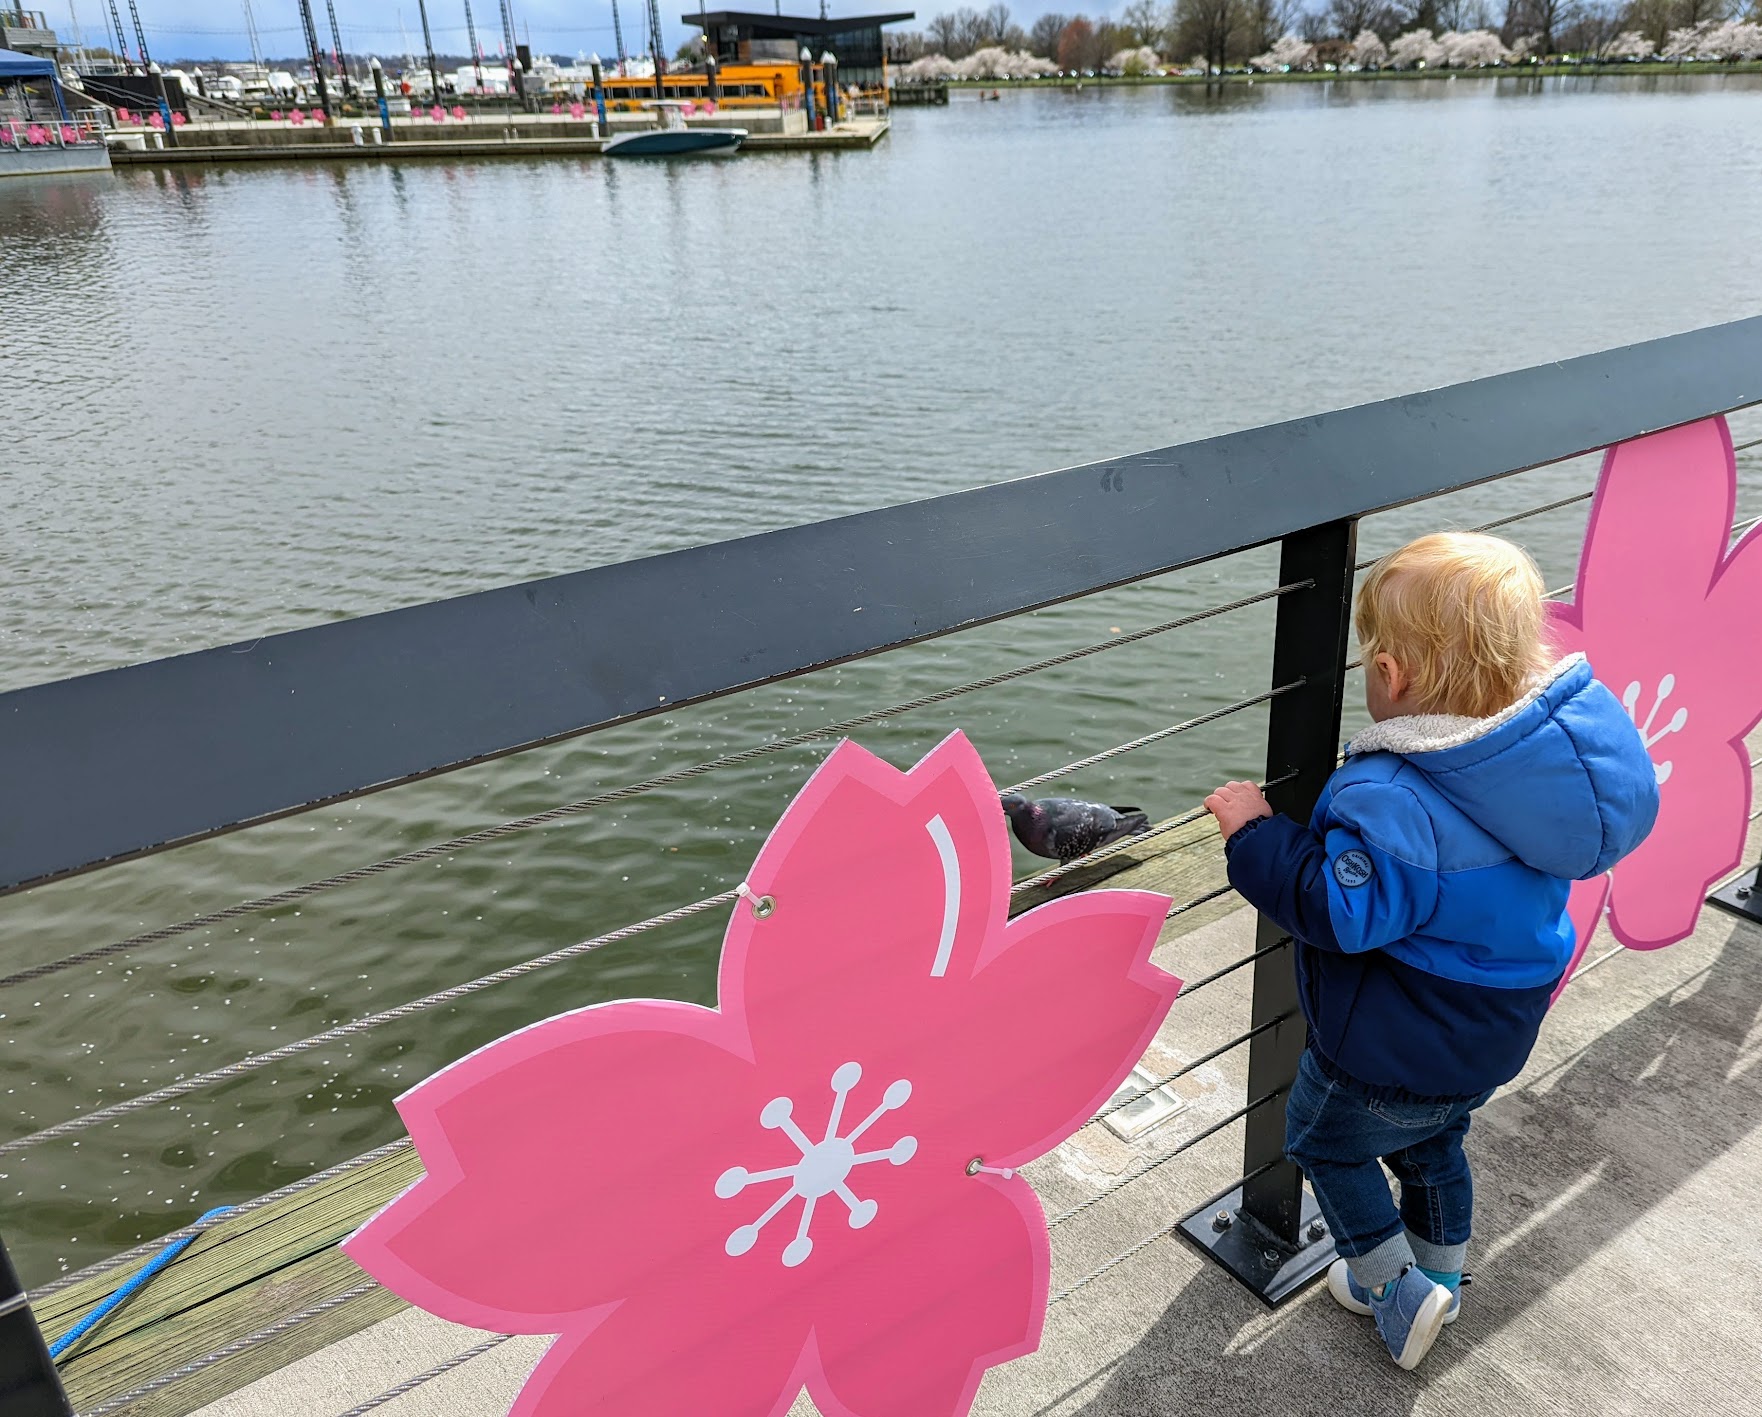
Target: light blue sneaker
{"x":1350,"y":1294}
{"x":1409,"y":1316}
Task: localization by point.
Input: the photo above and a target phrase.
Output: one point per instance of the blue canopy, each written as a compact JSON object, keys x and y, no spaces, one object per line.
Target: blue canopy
{"x":14,"y":65}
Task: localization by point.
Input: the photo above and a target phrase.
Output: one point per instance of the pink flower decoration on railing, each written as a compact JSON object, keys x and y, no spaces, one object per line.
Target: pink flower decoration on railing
{"x":296,"y":117}
{"x":275,"y":115}
{"x":577,"y":110}
{"x":36,"y":135}
{"x":459,"y":111}
{"x":178,"y":120}
{"x":1666,"y":610}
{"x":157,"y":120}
{"x":69,"y":133}
{"x":716,"y":1207}
{"x":556,"y":108}
{"x":438,"y":113}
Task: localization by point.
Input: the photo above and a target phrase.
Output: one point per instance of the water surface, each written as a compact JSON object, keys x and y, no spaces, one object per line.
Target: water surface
{"x":244,"y":400}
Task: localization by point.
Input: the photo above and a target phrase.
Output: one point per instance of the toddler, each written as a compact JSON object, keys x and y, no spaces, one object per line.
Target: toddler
{"x":1427,"y":899}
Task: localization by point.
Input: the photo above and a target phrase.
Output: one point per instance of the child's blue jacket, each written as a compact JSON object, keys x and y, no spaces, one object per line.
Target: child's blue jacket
{"x":1428,"y":893}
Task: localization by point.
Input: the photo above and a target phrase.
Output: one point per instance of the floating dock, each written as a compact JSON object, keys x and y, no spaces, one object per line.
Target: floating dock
{"x":530,"y":136}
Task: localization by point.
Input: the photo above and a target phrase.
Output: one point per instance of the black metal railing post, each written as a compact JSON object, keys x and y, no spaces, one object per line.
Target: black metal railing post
{"x":1268,"y":1233}
{"x":1742,"y":896}
{"x":29,"y":1386}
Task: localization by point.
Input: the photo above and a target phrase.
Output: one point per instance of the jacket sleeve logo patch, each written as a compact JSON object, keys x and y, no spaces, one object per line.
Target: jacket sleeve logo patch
{"x":1353,"y":868}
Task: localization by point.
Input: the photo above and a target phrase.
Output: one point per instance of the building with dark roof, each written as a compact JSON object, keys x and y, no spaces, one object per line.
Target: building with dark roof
{"x":743,"y":37}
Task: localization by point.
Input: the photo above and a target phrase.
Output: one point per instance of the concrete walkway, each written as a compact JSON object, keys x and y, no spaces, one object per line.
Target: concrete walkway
{"x":1615,"y":1262}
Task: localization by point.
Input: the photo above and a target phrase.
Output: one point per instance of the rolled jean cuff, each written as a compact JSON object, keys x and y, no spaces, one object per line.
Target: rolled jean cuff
{"x":1385,"y":1262}
{"x":1444,"y":1259}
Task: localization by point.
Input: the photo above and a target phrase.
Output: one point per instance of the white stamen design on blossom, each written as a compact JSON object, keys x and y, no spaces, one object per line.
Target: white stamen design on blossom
{"x":822,"y":1168}
{"x":1630,"y":700}
{"x":951,"y":892}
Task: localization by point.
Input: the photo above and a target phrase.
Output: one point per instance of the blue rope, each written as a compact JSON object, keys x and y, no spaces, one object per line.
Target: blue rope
{"x":132,"y":1286}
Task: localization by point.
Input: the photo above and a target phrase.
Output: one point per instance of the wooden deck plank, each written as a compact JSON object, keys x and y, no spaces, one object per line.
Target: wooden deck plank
{"x":245,"y":1272}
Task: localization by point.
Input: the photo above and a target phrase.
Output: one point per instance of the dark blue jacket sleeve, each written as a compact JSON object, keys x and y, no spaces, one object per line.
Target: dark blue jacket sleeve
{"x":1277,"y":866}
{"x":1367,"y":877}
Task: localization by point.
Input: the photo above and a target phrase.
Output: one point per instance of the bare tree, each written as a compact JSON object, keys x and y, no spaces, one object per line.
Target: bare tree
{"x":1347,"y":19}
{"x":1596,"y":26}
{"x":1144,"y":25}
{"x":1213,"y":29}
{"x":1043,"y":37}
{"x":1266,"y":21}
{"x":1544,"y":18}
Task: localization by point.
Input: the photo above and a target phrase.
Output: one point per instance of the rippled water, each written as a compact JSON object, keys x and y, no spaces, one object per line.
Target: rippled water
{"x":240,"y":401}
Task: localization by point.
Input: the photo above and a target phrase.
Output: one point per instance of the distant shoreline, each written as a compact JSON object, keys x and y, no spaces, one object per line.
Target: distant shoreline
{"x":1524,"y":71}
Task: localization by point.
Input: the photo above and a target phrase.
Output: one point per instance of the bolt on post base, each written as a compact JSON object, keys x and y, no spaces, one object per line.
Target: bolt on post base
{"x":1271,"y":1269}
{"x":1742,"y":897}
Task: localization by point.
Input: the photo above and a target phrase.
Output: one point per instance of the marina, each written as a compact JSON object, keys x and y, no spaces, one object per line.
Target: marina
{"x":631,"y":412}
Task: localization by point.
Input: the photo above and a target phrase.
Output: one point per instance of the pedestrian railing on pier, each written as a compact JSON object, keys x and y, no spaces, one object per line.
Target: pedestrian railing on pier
{"x":114,"y":766}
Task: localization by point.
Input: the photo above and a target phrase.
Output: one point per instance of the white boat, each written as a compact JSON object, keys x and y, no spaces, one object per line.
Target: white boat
{"x":673,"y":138}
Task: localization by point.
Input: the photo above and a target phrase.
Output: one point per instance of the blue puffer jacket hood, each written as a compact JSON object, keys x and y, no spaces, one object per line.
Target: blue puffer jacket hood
{"x":1561,"y":778}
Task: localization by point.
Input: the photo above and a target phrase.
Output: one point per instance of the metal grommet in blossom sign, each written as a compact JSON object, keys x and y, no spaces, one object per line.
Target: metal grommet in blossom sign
{"x":977,"y":1165}
{"x":764,"y":906}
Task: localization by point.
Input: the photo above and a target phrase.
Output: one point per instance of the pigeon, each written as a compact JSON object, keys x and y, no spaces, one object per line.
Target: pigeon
{"x":1063,"y":829}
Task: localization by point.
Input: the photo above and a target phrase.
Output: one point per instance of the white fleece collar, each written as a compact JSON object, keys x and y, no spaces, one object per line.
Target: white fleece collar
{"x":1433,"y":732}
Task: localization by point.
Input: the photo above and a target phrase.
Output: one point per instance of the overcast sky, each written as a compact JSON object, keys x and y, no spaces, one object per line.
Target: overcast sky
{"x":203,"y":28}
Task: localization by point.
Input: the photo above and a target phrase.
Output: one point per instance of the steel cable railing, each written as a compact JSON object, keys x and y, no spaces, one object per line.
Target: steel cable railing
{"x":184,"y":1087}
{"x":1071,"y":1213}
{"x":1114,"y":1187}
{"x":220,"y":1355}
{"x":1139,"y":1246}
{"x":295,"y":894}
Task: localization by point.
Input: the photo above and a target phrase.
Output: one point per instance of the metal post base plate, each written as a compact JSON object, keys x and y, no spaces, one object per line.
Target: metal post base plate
{"x":1742,"y":897}
{"x":1271,"y":1269}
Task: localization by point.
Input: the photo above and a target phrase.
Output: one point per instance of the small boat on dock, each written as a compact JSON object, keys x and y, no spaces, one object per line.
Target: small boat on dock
{"x":674,"y":139}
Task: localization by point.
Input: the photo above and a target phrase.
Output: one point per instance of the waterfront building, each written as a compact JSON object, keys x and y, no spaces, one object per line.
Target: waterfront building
{"x":855,"y":41}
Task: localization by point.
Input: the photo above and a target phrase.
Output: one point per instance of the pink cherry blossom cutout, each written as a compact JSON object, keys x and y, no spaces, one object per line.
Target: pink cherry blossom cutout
{"x":1663,"y":605}
{"x":714,"y":1208}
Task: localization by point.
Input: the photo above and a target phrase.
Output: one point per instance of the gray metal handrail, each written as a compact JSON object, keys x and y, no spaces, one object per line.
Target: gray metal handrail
{"x":114,"y":765}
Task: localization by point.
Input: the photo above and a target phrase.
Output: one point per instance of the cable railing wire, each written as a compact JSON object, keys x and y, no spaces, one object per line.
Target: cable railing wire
{"x":185,"y":1086}
{"x":1196,"y":985}
{"x":1193,"y":1066}
{"x":1083,"y":863}
{"x":1511,"y":520}
{"x":1171,"y":731}
{"x":294,"y":894}
{"x":1204,"y":899}
{"x":1107,"y":1266}
{"x":244,"y":1207}
{"x":1114,"y":1187}
{"x":237,"y":1346}
{"x":440,"y":1369}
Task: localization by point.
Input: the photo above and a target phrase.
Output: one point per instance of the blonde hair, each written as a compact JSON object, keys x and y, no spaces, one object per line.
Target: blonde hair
{"x":1462,"y":613}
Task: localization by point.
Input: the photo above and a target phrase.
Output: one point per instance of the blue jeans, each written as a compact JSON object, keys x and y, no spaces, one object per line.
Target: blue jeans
{"x":1337,"y":1136}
